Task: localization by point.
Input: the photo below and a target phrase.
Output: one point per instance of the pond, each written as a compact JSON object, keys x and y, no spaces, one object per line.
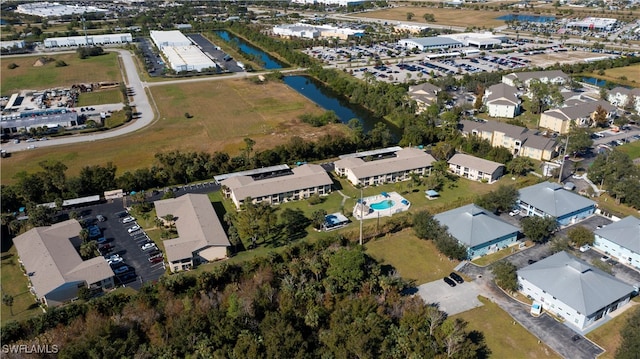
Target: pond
{"x":270,"y":63}
{"x":594,"y":81}
{"x":526,"y":18}
{"x":330,"y":101}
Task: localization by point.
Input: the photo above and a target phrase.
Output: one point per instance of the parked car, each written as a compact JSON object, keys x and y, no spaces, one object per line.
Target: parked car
{"x":456,"y":277}
{"x":605,"y":258}
{"x":155,"y":255}
{"x":531,"y":261}
{"x":121,"y":270}
{"x":102,"y":240}
{"x":515,"y":212}
{"x":449,"y":281}
{"x":113,"y":256}
{"x":156,"y":260}
{"x":585,"y":248}
{"x":128,"y":219}
{"x":101,"y":218}
{"x":115,"y":261}
{"x":148,"y":246}
{"x":133,"y":229}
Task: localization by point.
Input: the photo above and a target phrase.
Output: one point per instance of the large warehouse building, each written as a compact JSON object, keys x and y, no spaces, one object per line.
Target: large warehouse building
{"x":74,"y":41}
{"x":47,"y":9}
{"x":180,"y":53}
{"x":430,"y":43}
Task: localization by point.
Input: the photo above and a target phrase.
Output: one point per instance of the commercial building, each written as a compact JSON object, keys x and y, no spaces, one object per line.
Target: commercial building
{"x":573,"y":290}
{"x":502,"y":101}
{"x":312,"y":32}
{"x":480,"y":40}
{"x":169,"y":38}
{"x":593,"y":23}
{"x":475,"y":169}
{"x":55,"y":9}
{"x":90,"y":40}
{"x":395,"y":167}
{"x":54,"y":267}
{"x":331,"y":2}
{"x":429,"y":43}
{"x":201,"y":237}
{"x":560,"y":119}
{"x":479,"y":230}
{"x":300,"y":183}
{"x":13,"y":44}
{"x":621,"y":240}
{"x":549,"y":199}
{"x":524,"y":78}
{"x":17,"y":123}
{"x":424,"y":95}
{"x":623,"y":97}
{"x":180,"y":53}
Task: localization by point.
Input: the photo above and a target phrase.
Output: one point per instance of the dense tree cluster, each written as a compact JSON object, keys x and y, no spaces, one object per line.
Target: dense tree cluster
{"x":630,"y":345}
{"x":616,"y":172}
{"x":427,"y":227}
{"x":309,"y":301}
{"x":539,"y":229}
{"x":506,"y":276}
{"x":500,"y":200}
{"x":88,"y":51}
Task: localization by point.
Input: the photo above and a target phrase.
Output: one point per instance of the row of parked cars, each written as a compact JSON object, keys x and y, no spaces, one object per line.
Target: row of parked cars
{"x":453,"y":278}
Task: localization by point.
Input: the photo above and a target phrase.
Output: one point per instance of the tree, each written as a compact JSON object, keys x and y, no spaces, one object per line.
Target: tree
{"x":600,"y":117}
{"x":88,"y":249}
{"x":410,"y":16}
{"x":443,"y":151}
{"x":8,"y":301}
{"x":538,"y":229}
{"x":506,"y":276}
{"x":630,"y":333}
{"x":84,"y":293}
{"x":84,"y":234}
{"x":294,"y":223}
{"x":559,"y":244}
{"x":580,"y":236}
{"x":318,"y":218}
{"x":450,"y":247}
{"x":346,"y":269}
{"x":520,"y":166}
{"x":429,"y":17}
{"x":425,"y":226}
{"x":503,"y":199}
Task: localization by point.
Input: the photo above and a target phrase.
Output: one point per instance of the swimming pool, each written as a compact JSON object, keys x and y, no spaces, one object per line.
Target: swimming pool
{"x":379,"y":206}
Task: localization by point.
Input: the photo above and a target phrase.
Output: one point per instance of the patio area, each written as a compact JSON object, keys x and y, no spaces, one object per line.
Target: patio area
{"x":384,"y":204}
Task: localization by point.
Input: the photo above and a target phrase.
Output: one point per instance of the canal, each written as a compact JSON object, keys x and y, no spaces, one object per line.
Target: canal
{"x":269,"y":62}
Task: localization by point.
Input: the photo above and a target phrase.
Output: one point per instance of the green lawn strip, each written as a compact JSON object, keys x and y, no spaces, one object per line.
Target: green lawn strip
{"x":493,"y":257}
{"x":15,"y":283}
{"x":632,"y":149}
{"x":413,"y":258}
{"x":104,"y":97}
{"x":504,"y":338}
{"x":116,"y":119}
{"x":608,"y":335}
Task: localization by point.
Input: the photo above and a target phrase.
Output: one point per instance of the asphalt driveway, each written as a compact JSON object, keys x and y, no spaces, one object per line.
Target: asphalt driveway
{"x":452,"y":300}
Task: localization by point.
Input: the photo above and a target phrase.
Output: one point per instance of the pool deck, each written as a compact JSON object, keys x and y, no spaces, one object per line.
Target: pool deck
{"x":396,"y":208}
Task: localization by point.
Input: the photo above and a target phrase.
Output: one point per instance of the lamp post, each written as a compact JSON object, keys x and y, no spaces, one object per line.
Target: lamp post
{"x":564,"y":155}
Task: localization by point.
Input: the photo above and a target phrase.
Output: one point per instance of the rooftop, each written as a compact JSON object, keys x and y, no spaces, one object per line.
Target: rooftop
{"x":503,"y":92}
{"x":433,"y":41}
{"x":625,"y":232}
{"x":553,"y":200}
{"x":477,"y":163}
{"x":406,"y":159}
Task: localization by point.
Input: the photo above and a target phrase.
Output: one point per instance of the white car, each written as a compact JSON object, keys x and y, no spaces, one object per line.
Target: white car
{"x":515,"y":212}
{"x":133,"y":229}
{"x":115,"y":261}
{"x":585,"y":248}
{"x":112,"y":257}
{"x":605,"y":258}
{"x":128,"y":219}
{"x":147,"y":246}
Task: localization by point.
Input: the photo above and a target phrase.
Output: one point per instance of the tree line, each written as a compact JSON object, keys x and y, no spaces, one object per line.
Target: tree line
{"x":324,"y":299}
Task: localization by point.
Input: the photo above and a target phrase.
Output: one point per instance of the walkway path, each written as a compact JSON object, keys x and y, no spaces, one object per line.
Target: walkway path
{"x":344,"y":198}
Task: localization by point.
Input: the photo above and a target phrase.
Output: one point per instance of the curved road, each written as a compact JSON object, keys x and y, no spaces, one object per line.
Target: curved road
{"x":144,"y":106}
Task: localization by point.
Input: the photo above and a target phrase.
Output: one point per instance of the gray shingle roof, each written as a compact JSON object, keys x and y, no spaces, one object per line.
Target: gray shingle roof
{"x":480,"y":164}
{"x":502,"y":94}
{"x":524,"y":76}
{"x":406,"y":159}
{"x":197,"y":224}
{"x":473,"y":225}
{"x":575,"y":283}
{"x":553,"y":200}
{"x":625,"y":232}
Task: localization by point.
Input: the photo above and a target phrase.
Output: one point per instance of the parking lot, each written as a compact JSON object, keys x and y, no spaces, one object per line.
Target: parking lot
{"x":453,"y":300}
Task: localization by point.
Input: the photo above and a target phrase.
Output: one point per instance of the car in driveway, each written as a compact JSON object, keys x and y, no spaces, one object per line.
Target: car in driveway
{"x":147,"y":246}
{"x":128,"y":219}
{"x":605,"y":258}
{"x":514,"y":213}
{"x":456,"y":277}
{"x":133,"y":229}
{"x":585,"y":248}
{"x":449,"y":281}
{"x":121,"y":270}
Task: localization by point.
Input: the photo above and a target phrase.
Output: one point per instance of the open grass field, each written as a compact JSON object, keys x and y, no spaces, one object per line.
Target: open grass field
{"x":14,"y":283}
{"x":631,"y":72}
{"x":632,"y":149}
{"x":608,"y":335}
{"x":503,"y":338}
{"x":570,"y":57}
{"x":413,"y":258}
{"x":26,"y":76}
{"x":99,"y":98}
{"x":449,"y":16}
{"x":224,"y":113}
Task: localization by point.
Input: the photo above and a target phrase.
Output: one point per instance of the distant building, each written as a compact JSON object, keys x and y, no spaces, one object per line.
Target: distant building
{"x":623,"y":97}
{"x":331,"y":2}
{"x":573,"y":290}
{"x":480,"y":40}
{"x":424,"y":95}
{"x":476,"y":169}
{"x":180,"y":52}
{"x":13,"y":44}
{"x":394,"y":168}
{"x":524,"y":78}
{"x":429,"y":43}
{"x":300,"y":183}
{"x":54,"y":267}
{"x":621,"y":240}
{"x":311,"y":32}
{"x":502,"y":101}
{"x":90,"y":40}
{"x":201,"y":236}
{"x":479,"y":230}
{"x":549,"y":199}
{"x":55,"y":9}
{"x":410,"y":28}
{"x":593,"y":23}
{"x":560,"y":119}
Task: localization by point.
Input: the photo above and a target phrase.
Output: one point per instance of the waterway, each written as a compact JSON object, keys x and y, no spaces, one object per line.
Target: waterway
{"x":527,"y":18}
{"x":269,"y":62}
{"x":594,"y":81}
{"x":330,"y":101}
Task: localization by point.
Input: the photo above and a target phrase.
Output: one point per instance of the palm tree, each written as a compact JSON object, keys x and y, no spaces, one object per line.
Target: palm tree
{"x":8,"y":301}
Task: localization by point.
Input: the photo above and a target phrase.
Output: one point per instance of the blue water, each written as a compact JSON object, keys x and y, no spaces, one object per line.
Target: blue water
{"x":269,"y":62}
{"x":527,"y":18}
{"x":379,"y":206}
{"x":594,"y":81}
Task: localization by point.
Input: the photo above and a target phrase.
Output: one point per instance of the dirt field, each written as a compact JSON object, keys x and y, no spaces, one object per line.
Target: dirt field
{"x":224,"y":113}
{"x":450,"y":16}
{"x":29,"y":77}
{"x":632,"y":73}
{"x":569,"y":57}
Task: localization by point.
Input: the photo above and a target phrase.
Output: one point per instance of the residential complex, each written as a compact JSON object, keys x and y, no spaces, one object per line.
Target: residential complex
{"x":394,"y":168}
{"x":582,"y":114}
{"x":476,"y":169}
{"x":424,"y":95}
{"x":625,"y":98}
{"x":54,"y":267}
{"x":621,"y":240}
{"x":479,"y":230}
{"x":518,"y":79}
{"x":502,"y":100}
{"x":573,"y":290}
{"x":547,"y":199}
{"x":299,"y":183}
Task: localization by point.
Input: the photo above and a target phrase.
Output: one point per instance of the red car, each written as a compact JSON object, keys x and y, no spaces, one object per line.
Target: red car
{"x":156,"y":260}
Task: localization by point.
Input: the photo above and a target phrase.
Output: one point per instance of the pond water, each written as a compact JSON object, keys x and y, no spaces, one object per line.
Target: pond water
{"x":270,"y":63}
{"x":594,"y":81}
{"x":526,"y":18}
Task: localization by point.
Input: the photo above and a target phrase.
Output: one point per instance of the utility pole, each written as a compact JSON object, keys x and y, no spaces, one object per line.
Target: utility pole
{"x":564,"y":155}
{"x":361,"y":215}
{"x":84,"y":28}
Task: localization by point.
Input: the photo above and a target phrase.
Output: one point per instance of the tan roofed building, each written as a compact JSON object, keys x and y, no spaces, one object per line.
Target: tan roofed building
{"x":424,"y":95}
{"x":55,"y":269}
{"x":474,"y":168}
{"x":201,"y":236}
{"x":560,"y":119}
{"x":524,"y":78}
{"x":390,"y":169}
{"x":303,"y":182}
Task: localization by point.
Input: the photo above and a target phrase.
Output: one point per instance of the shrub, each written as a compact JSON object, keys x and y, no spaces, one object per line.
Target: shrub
{"x":12,"y":66}
{"x":61,"y":63}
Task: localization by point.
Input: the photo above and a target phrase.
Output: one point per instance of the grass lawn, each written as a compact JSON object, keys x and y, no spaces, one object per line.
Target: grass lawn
{"x":632,"y":149}
{"x":413,"y":258}
{"x":631,"y":72}
{"x":493,"y":257}
{"x":29,"y":77}
{"x":14,"y":283}
{"x":99,"y":98}
{"x":224,"y":113}
{"x":503,"y":338}
{"x":608,"y":335}
{"x":449,"y":16}
{"x":608,"y":204}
